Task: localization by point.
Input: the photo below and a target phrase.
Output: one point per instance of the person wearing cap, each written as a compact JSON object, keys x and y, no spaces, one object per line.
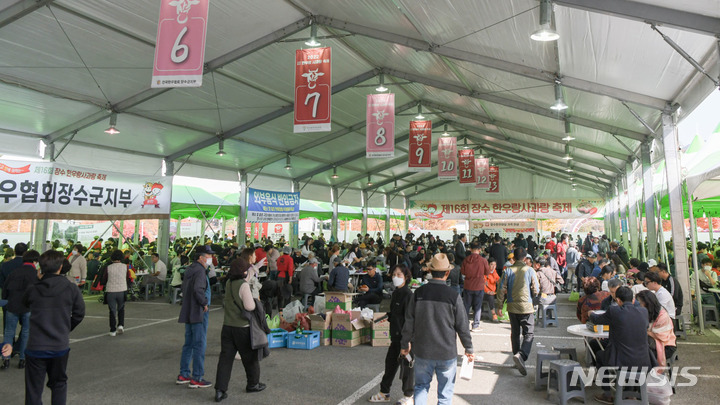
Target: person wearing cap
{"x":585,"y":268}
{"x":286,"y":269}
{"x":309,"y":279}
{"x":434,"y":318}
{"x":194,"y":314}
{"x":339,"y":279}
{"x":371,"y":285}
{"x":520,"y":286}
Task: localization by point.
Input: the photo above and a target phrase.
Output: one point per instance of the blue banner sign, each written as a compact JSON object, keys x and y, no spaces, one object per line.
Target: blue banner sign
{"x":272,"y":206}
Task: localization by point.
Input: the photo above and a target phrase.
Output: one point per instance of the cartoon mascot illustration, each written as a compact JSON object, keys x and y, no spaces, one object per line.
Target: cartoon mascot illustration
{"x":151,"y":191}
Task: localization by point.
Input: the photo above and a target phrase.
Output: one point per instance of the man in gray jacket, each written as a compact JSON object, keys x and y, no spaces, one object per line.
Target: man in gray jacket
{"x":439,"y":314}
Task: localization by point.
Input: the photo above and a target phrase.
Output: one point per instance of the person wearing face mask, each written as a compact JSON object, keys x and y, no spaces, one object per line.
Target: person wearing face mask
{"x":402,"y":295}
{"x":78,"y":269}
{"x":16,"y":284}
{"x":194,"y":314}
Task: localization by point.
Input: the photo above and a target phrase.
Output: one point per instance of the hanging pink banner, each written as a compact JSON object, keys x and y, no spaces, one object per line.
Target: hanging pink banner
{"x":420,"y":146}
{"x":466,"y":164}
{"x":180,"y":44}
{"x":447,"y":158}
{"x":482,"y":178}
{"x":380,"y":126}
{"x":494,"y":180}
{"x":313,"y":84}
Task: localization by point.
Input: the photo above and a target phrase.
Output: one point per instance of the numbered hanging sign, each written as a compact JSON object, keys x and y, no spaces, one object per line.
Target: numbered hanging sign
{"x":466,"y":166}
{"x":447,"y":158}
{"x":380,"y":126}
{"x":180,"y":44}
{"x":482,"y":175}
{"x":420,"y":145}
{"x":313,"y":89}
{"x":494,"y":180}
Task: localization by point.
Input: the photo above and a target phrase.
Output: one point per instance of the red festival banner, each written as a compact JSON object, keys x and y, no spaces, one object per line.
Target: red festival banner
{"x":482,"y":178}
{"x":420,"y":146}
{"x":313,"y":84}
{"x":466,"y":164}
{"x":180,"y":44}
{"x":380,"y":126}
{"x":494,"y":180}
{"x":447,"y":158}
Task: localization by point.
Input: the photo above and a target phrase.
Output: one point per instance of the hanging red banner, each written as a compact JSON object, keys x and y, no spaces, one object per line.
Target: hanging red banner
{"x":447,"y":158}
{"x":420,"y":146}
{"x":494,"y":178}
{"x":380,"y":126}
{"x":482,"y":178}
{"x":180,"y":44}
{"x":313,"y":84}
{"x":466,"y":164}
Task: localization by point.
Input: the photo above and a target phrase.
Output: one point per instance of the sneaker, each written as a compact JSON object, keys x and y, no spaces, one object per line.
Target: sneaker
{"x":495,"y":319}
{"x":200,"y":384}
{"x":520,"y":363}
{"x":182,"y":380}
{"x":380,"y":397}
{"x":476,"y":330}
{"x":120,"y":330}
{"x":112,"y":333}
{"x":405,"y":401}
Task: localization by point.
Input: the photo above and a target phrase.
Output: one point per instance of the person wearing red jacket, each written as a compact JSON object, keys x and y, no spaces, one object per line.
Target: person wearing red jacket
{"x":560,"y":255}
{"x":491,"y":288}
{"x":286,"y":269}
{"x":474,"y":268}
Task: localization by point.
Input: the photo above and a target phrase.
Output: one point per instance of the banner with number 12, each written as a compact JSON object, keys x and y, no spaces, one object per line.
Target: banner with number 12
{"x":180,"y":44}
{"x":380,"y":126}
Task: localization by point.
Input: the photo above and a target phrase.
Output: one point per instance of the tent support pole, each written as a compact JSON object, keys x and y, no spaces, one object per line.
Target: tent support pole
{"x":32,"y":234}
{"x":295,"y":225}
{"x":41,"y":231}
{"x":649,"y":201}
{"x":242,"y":212}
{"x":623,"y":210}
{"x":178,"y":233}
{"x":407,"y":214}
{"x":693,"y":243}
{"x":136,"y":235}
{"x":674,"y":183}
{"x":334,"y":196}
{"x":632,"y":211}
{"x":387,"y":216}
{"x":163,"y":242}
{"x":710,"y":231}
{"x":661,"y":234}
{"x":364,"y":223}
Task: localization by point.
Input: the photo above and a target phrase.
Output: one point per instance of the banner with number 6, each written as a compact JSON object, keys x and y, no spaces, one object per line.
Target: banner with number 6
{"x":447,"y":158}
{"x":466,"y":164}
{"x":313,"y":84}
{"x":380,"y":126}
{"x":180,"y":44}
{"x":482,"y":178}
{"x":420,"y":145}
{"x":494,"y":180}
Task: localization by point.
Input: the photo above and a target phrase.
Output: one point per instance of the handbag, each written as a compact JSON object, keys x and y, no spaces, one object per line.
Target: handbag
{"x":574,"y":296}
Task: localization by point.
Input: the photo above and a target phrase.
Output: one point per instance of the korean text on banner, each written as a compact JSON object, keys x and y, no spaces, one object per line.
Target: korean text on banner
{"x":180,"y":44}
{"x":380,"y":126}
{"x":494,"y":177}
{"x":272,"y":206}
{"x":313,"y":90}
{"x":420,"y":146}
{"x":482,"y":175}
{"x":466,"y":163}
{"x":568,"y":208}
{"x":54,"y":191}
{"x":447,"y":158}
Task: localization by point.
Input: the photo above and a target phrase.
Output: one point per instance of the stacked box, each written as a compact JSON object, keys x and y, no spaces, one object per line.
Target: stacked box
{"x":317,"y":323}
{"x":349,"y":330}
{"x":335,"y":299}
{"x":381,"y":329}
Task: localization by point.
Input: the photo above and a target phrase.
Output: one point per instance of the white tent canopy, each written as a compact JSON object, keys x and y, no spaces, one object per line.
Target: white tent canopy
{"x":65,"y":64}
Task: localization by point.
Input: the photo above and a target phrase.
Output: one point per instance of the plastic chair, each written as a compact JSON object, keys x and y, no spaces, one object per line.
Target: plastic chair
{"x":571,"y":352}
{"x":540,"y":375}
{"x":559,"y":379}
{"x":710,"y":315}
{"x":175,"y":296}
{"x":544,"y":314}
{"x":679,"y":326}
{"x":628,"y":384}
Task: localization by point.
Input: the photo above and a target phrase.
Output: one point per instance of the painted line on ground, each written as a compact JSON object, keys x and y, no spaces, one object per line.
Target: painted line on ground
{"x":132,"y":319}
{"x":355,"y":396}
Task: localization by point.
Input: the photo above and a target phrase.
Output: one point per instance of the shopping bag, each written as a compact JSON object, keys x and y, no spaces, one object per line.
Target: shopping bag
{"x":659,"y":389}
{"x":466,"y":370}
{"x":274,"y":322}
{"x":574,"y":296}
{"x":319,"y":304}
{"x":292,"y":309}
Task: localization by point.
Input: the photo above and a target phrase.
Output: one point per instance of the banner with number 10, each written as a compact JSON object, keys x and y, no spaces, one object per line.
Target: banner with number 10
{"x":180,"y":44}
{"x":447,"y":158}
{"x":380,"y":126}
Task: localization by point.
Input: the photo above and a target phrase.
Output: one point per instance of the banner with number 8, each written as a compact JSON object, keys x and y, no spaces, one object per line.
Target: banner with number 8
{"x":380,"y":126}
{"x":447,"y":158}
{"x":419,"y":146}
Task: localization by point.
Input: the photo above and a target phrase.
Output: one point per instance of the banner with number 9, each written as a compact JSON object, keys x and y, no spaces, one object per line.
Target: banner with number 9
{"x":380,"y":126}
{"x":419,"y":146}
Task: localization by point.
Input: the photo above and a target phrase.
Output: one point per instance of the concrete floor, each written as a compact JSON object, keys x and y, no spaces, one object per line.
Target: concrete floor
{"x":141,"y":365}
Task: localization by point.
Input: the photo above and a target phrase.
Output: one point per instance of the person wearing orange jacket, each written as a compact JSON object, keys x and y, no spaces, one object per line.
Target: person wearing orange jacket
{"x":491,"y":280}
{"x":286,"y":269}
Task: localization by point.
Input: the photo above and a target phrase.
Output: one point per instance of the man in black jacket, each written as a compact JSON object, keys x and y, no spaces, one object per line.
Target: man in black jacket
{"x":498,"y":251}
{"x":672,"y":286}
{"x":460,"y":249}
{"x":56,"y":308}
{"x":585,"y":268}
{"x":19,"y":281}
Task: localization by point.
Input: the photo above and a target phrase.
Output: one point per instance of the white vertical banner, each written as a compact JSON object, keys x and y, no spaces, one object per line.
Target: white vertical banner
{"x":447,"y":158}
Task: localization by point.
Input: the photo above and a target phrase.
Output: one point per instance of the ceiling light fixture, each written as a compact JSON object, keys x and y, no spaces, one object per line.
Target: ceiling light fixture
{"x":113,"y":121}
{"x":419,"y":116}
{"x":334,"y":175}
{"x":221,"y":151}
{"x":288,"y":166}
{"x":313,"y":34}
{"x":482,"y":154}
{"x":569,"y":168}
{"x":395,"y":181}
{"x":369,"y":183}
{"x":416,"y":190}
{"x":445,"y":132}
{"x":546,"y":32}
{"x":381,"y":88}
{"x":559,"y":101}
{"x":568,"y":136}
{"x":567,"y":156}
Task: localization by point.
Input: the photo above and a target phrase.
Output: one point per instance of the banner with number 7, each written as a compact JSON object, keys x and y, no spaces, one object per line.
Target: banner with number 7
{"x":313,"y":84}
{"x":380,"y":126}
{"x":180,"y":44}
{"x":420,"y":145}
